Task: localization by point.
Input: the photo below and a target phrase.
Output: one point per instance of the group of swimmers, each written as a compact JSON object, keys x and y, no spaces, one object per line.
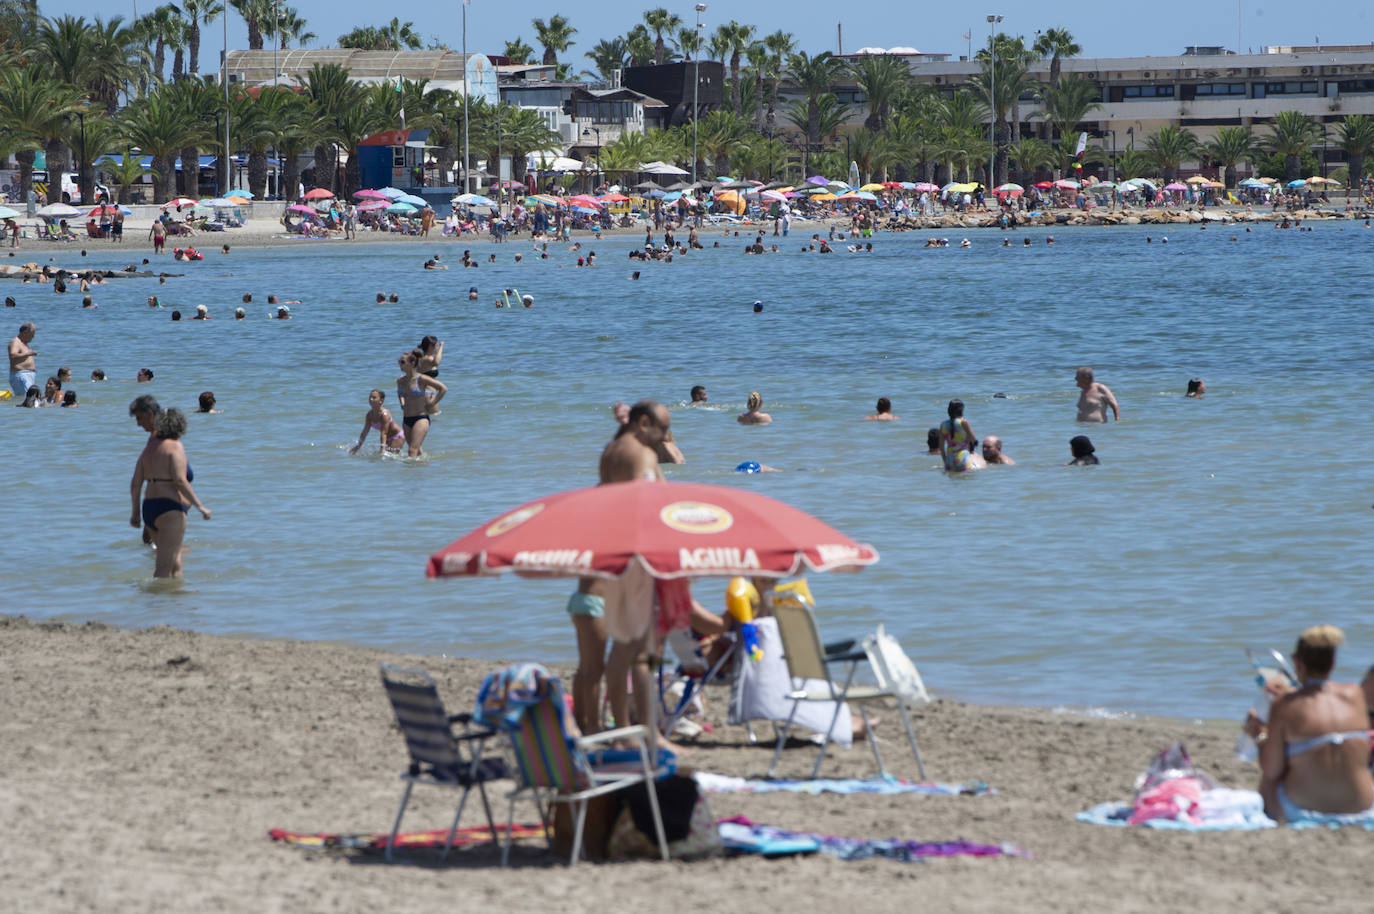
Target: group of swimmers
{"x":419,"y":391}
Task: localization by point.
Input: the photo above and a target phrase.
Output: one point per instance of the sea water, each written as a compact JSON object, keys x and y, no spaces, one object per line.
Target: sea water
{"x":1210,"y":524}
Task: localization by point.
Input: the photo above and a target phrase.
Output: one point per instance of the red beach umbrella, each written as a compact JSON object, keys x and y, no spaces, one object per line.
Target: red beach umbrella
{"x":671,"y":529}
{"x":319,"y":193}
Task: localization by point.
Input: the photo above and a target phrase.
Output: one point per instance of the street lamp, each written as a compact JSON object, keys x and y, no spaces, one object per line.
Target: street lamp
{"x":467,"y":181}
{"x":992,"y":98}
{"x":597,"y":131}
{"x":696,"y":83}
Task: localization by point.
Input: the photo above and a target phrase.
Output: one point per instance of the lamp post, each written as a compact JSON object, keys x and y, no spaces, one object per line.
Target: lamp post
{"x":81,"y":167}
{"x":696,"y":83}
{"x":467,"y":181}
{"x":1114,"y":169}
{"x":992,"y":99}
{"x":597,"y":131}
{"x":224,"y":78}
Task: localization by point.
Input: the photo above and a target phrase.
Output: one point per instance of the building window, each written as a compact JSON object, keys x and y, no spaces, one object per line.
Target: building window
{"x":1290,"y":87}
{"x":1353,"y":86}
{"x":1135,"y":93}
{"x":1213,"y":90}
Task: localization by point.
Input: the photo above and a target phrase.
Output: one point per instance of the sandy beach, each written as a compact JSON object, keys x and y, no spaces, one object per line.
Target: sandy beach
{"x":143,"y":770}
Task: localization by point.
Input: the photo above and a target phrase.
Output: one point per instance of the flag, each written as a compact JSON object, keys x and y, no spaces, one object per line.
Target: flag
{"x":1082,"y":144}
{"x":401,"y":92}
{"x":968,"y":36}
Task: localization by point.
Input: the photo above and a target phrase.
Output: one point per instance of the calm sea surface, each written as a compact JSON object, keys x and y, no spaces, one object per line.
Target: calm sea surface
{"x":1235,"y":520}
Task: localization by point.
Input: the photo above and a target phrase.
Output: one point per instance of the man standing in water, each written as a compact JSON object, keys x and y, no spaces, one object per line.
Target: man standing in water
{"x":23,"y":374}
{"x":631,"y":455}
{"x":1095,"y":399}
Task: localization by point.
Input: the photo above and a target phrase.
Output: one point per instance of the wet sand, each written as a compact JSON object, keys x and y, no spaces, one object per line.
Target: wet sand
{"x":143,"y":769}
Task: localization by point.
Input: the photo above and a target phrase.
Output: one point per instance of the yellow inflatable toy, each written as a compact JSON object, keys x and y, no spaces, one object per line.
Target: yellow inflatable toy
{"x":793,"y":593}
{"x":740,"y":599}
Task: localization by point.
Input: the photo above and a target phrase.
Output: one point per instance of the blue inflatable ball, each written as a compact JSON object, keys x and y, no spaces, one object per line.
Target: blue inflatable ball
{"x":749,"y":466}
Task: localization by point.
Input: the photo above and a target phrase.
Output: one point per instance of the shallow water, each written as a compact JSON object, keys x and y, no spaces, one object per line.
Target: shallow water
{"x":1212,"y":524}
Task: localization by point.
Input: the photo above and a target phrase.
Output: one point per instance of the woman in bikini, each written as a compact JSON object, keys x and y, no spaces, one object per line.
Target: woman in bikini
{"x":416,"y":403}
{"x":162,"y":465}
{"x":958,"y":447}
{"x":379,"y":418}
{"x":1314,"y":760}
{"x":431,"y":354}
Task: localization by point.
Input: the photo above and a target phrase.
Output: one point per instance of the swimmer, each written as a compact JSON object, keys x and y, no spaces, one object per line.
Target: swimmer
{"x":419,"y":394}
{"x":753,"y":466}
{"x":1084,"y":454}
{"x":283,"y":313}
{"x":527,"y":300}
{"x":202,"y":313}
{"x":932,"y":441}
{"x":1095,"y":399}
{"x":144,"y":375}
{"x":472,"y":293}
{"x":958,"y":446}
{"x":240,"y":314}
{"x":884,"y":413}
{"x":1196,"y":388}
{"x":754,"y":415}
{"x":758,"y":307}
{"x":992,"y":452}
{"x":97,"y":375}
{"x":698,"y":394}
{"x":207,"y":403}
{"x":163,"y":466}
{"x":378,"y":417}
{"x":69,"y":399}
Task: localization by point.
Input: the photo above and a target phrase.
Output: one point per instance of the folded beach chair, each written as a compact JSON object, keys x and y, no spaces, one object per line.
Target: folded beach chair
{"x":554,"y":763}
{"x":680,"y":689}
{"x":808,"y":659}
{"x":437,"y":754}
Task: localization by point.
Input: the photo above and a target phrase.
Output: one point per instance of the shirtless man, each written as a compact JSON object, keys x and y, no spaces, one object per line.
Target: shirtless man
{"x":630,"y":455}
{"x":992,"y":452}
{"x":23,"y":375}
{"x":1095,"y":399}
{"x":667,"y":449}
{"x":884,"y":413}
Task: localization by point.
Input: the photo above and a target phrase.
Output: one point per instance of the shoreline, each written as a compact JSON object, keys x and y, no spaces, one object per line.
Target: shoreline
{"x":144,"y":768}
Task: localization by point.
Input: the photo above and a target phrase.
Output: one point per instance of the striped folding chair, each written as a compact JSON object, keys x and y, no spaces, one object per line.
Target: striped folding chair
{"x":437,"y":755}
{"x":554,"y":763}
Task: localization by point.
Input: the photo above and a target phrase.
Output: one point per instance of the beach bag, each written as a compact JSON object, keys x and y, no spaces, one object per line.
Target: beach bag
{"x":893,"y":668}
{"x":688,"y":823}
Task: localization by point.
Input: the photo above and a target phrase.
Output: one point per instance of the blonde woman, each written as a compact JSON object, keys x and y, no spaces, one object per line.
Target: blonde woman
{"x":755,"y":414}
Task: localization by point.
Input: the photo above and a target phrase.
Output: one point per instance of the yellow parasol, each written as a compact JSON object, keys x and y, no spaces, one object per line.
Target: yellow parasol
{"x":873,"y":187}
{"x":1198,"y":179}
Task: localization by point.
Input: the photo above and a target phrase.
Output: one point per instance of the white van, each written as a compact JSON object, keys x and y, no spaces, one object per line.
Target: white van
{"x":71,"y":189}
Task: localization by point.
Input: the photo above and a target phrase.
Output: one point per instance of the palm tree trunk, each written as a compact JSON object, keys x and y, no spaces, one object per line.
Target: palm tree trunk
{"x":254,"y":36}
{"x":735,"y":88}
{"x":159,"y":179}
{"x":813,"y":122}
{"x":352,"y":173}
{"x":324,"y":166}
{"x":190,"y":171}
{"x":56,"y":154}
{"x":159,"y":58}
{"x":758,"y":103}
{"x":290,"y":175}
{"x":1230,"y":175}
{"x":1290,"y":167}
{"x":773,"y":102}
{"x":25,"y":159}
{"x":257,"y":173}
{"x":178,"y":64}
{"x":193,"y":61}
{"x":1354,"y":171}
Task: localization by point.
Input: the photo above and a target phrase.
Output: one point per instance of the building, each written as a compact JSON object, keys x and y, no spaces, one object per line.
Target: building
{"x":442,"y":68}
{"x":671,"y":84}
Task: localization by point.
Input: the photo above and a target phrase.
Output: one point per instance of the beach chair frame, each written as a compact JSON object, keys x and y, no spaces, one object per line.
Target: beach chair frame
{"x":552,"y":766}
{"x":807,"y":658}
{"x":437,"y":754}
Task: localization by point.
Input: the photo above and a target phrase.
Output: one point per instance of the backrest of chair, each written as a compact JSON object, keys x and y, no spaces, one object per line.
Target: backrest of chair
{"x":545,"y":754}
{"x":801,"y":644}
{"x":421,"y":716}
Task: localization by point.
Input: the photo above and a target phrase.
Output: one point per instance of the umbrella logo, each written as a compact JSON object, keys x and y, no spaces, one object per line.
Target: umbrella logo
{"x":696,"y":517}
{"x":514,"y":519}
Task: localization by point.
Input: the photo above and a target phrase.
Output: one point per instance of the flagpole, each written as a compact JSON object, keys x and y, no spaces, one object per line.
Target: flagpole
{"x":467,"y":183}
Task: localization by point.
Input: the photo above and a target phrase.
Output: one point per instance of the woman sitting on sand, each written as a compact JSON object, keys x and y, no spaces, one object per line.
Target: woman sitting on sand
{"x":755,"y":414}
{"x":1314,"y":760}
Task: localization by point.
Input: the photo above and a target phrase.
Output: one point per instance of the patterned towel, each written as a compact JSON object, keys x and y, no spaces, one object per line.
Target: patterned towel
{"x":739,"y":828}
{"x":369,"y":841}
{"x":719,"y":783}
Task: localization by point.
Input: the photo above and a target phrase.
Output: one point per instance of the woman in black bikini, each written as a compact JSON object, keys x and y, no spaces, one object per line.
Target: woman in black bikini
{"x":162,"y":465}
{"x":432,"y":353}
{"x":416,"y":403}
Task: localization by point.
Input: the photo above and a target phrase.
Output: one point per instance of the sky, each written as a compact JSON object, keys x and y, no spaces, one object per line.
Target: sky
{"x":1159,"y":28}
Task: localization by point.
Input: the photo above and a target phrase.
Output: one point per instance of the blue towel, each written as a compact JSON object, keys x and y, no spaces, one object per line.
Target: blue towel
{"x":717,"y":783}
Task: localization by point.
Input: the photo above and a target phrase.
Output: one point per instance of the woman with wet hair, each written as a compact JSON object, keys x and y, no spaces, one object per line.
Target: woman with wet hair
{"x":163,"y":467}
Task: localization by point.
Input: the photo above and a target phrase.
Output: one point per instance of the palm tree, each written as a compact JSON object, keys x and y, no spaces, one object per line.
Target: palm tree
{"x":153,"y":27}
{"x":608,"y":56}
{"x":330,"y":92}
{"x":555,"y":36}
{"x":1169,"y":147}
{"x":159,"y":128}
{"x":1030,"y":155}
{"x":1067,"y":103}
{"x":523,"y":131}
{"x":401,"y":35}
{"x":1291,"y":134}
{"x":197,"y":12}
{"x":659,"y":21}
{"x":1355,"y":135}
{"x":780,"y":45}
{"x":1054,"y":44}
{"x":200,"y":102}
{"x":688,"y":43}
{"x":1132,"y":163}
{"x":719,"y":133}
{"x":639,"y":47}
{"x":1229,"y":146}
{"x":291,"y":26}
{"x":300,"y":124}
{"x":177,"y":38}
{"x":89,"y":140}
{"x":126,"y":171}
{"x":118,"y":58}
{"x":881,"y":78}
{"x":30,"y":103}
{"x":759,"y":59}
{"x":256,"y":14}
{"x":518,"y":51}
{"x":813,"y":76}
{"x":735,"y":37}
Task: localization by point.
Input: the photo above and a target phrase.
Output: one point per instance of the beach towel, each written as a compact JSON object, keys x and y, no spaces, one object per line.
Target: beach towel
{"x":1219,"y":809}
{"x":376,"y":841}
{"x":719,"y":783}
{"x":739,"y":833}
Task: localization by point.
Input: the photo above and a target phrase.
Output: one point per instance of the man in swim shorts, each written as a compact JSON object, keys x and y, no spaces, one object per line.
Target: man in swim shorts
{"x":630,"y":455}
{"x":23,"y":373}
{"x":1095,"y":399}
